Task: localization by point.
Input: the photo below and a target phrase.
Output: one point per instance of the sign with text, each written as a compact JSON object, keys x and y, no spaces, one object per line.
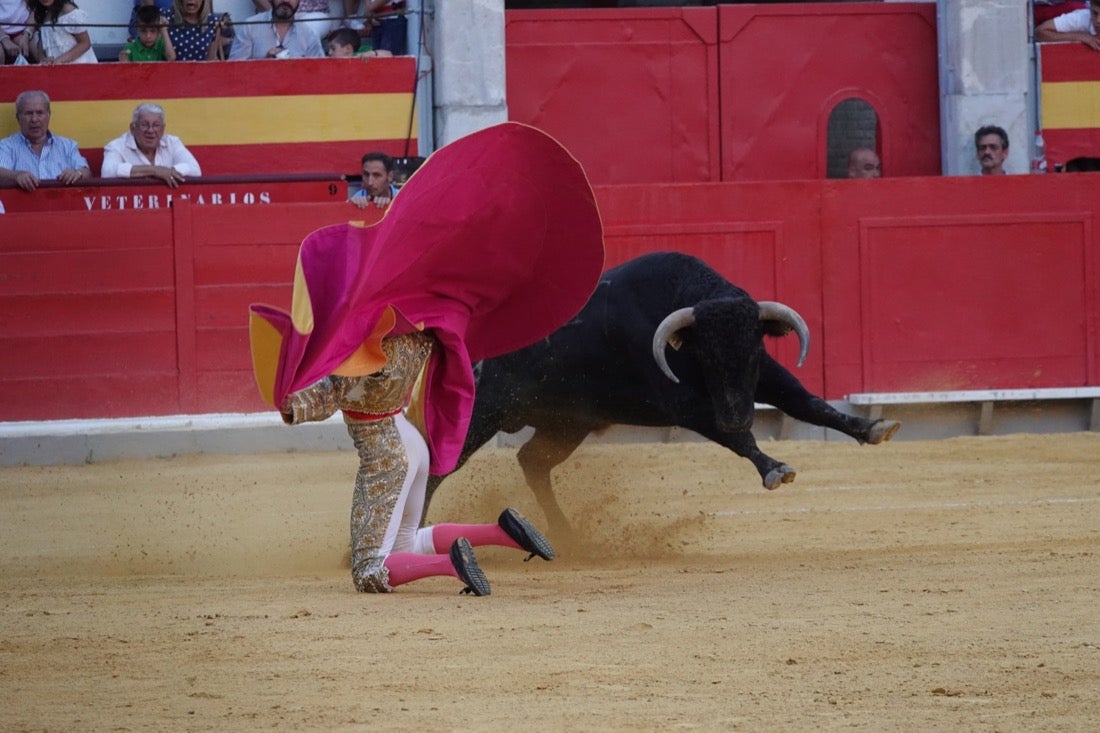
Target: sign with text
{"x":112,"y":194}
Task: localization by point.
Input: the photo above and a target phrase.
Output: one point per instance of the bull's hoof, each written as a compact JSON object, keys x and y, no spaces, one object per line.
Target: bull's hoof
{"x":882,"y":430}
{"x":781,"y":474}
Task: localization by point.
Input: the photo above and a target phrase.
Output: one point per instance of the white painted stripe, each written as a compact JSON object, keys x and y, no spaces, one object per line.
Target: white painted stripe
{"x":152,"y":424}
{"x":909,"y":507}
{"x":973,"y":395}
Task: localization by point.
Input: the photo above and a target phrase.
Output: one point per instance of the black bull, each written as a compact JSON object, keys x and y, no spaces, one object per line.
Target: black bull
{"x":607,"y":366}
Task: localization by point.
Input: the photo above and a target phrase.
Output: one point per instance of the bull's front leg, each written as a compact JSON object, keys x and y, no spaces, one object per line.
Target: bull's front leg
{"x":772,"y":472}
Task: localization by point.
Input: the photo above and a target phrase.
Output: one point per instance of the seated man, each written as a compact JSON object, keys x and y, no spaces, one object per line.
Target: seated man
{"x":275,"y":34}
{"x":378,"y":188}
{"x":146,"y":151}
{"x":35,"y":154}
{"x":1078,"y":25}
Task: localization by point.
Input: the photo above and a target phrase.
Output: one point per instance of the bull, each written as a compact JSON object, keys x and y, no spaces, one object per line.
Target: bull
{"x":664,"y":340}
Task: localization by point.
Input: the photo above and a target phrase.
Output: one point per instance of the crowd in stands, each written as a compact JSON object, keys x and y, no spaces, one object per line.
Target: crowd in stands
{"x":56,"y":31}
{"x":35,"y":154}
{"x":51,"y":32}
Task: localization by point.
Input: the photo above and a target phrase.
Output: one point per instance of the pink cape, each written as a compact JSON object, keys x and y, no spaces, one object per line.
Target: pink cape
{"x":492,"y":244}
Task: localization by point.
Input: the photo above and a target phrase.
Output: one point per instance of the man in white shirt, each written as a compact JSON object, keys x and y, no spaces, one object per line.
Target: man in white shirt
{"x":146,"y":151}
{"x":275,"y":35}
{"x":1077,"y":25}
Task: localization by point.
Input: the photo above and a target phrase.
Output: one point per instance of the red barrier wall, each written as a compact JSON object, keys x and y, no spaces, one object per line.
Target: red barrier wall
{"x":784,"y":68}
{"x":906,"y":284}
{"x":632,"y":93}
{"x":727,"y":93}
{"x":960,"y":283}
{"x":130,"y":313}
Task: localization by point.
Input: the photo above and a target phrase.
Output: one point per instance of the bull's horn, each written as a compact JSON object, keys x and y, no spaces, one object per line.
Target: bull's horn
{"x":772,"y":311}
{"x":666,"y":330}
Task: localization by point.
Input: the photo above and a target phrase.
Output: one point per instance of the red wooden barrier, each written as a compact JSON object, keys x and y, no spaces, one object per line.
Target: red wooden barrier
{"x":632,"y":93}
{"x":786,"y":66}
{"x":960,"y":283}
{"x":727,"y":93}
{"x":906,"y":284}
{"x":129,"y":313}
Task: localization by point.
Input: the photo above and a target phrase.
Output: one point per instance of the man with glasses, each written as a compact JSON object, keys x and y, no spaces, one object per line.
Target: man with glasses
{"x":378,"y":188}
{"x":147,"y":152}
{"x":34,"y":154}
{"x":991,"y":143}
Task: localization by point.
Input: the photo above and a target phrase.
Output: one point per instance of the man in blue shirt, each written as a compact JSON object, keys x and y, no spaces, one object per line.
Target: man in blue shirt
{"x":34,"y":154}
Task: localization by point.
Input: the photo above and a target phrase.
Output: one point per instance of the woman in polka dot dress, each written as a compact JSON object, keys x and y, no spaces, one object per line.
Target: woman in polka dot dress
{"x":197,"y":33}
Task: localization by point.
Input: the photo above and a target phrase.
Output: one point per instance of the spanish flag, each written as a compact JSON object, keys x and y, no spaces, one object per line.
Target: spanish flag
{"x":236,"y":117}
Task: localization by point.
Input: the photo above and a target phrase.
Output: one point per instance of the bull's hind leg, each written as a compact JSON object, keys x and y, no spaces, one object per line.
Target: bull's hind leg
{"x":777,"y":386}
{"x":537,"y":457}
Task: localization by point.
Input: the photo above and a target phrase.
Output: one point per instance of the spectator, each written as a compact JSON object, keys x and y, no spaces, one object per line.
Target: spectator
{"x":344,"y":43}
{"x":14,"y":37}
{"x":275,"y":35}
{"x":152,"y":42}
{"x":992,"y":149}
{"x":1046,"y":9}
{"x":378,"y":188}
{"x":1078,"y":25}
{"x":864,"y":163}
{"x":35,"y":154}
{"x":386,"y":21}
{"x":62,"y":33}
{"x":195,"y":26}
{"x":163,"y":6}
{"x":146,"y":151}
{"x":313,"y":13}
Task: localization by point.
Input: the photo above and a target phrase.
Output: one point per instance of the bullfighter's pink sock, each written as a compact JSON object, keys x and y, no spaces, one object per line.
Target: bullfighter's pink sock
{"x":405,"y":567}
{"x":478,"y":535}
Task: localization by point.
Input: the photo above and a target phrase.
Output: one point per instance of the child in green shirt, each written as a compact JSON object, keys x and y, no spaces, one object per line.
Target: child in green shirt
{"x":152,"y":42}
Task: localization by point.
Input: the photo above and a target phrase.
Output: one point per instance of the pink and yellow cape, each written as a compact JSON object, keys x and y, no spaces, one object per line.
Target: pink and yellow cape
{"x":492,"y":244}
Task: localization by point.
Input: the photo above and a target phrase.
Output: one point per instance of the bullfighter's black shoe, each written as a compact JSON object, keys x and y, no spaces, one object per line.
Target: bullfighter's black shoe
{"x":462,"y":557}
{"x":516,"y":526}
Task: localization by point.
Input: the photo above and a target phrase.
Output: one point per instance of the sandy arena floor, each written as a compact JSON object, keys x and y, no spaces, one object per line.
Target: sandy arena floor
{"x":915,"y":586}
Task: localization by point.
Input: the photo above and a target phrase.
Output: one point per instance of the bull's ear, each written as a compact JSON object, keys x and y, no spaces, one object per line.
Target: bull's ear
{"x":776,"y":328}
